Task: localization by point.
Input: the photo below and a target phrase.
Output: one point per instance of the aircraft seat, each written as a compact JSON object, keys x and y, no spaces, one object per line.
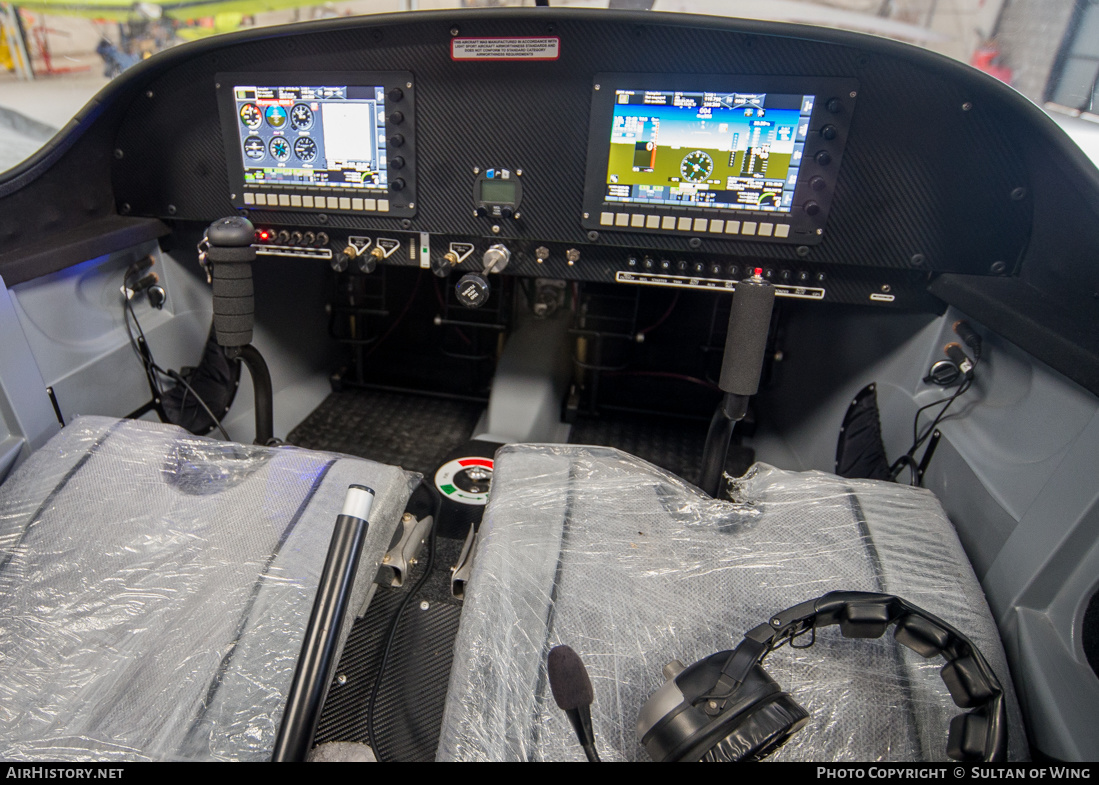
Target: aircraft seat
{"x":157,"y":587}
{"x":634,"y":568}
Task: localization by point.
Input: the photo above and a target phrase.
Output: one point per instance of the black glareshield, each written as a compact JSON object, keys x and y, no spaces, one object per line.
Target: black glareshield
{"x":230,"y":256}
{"x":726,"y":707}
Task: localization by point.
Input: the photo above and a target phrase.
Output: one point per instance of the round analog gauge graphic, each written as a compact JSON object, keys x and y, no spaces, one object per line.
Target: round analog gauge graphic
{"x":275,"y":116}
{"x":696,"y":166}
{"x":280,"y":148}
{"x":250,"y":115}
{"x":301,"y":117}
{"x":305,"y":149}
{"x":254,"y":148}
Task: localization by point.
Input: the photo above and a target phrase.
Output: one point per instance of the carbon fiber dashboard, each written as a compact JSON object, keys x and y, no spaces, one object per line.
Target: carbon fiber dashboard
{"x":933,"y":177}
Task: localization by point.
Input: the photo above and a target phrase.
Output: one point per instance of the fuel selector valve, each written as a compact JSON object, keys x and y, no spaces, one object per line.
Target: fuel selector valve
{"x":474,"y":289}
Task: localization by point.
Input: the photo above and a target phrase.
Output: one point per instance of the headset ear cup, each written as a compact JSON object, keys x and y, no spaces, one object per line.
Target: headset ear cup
{"x":759,"y":731}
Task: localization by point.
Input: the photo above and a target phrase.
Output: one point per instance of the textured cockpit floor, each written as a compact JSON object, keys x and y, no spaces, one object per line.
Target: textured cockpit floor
{"x":412,"y":431}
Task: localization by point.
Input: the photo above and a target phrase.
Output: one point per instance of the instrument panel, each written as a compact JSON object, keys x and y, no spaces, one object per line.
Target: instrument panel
{"x":796,"y":150}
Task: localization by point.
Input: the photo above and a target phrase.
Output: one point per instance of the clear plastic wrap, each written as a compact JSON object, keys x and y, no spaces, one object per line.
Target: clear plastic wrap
{"x":156,"y":588}
{"x":632,"y":567}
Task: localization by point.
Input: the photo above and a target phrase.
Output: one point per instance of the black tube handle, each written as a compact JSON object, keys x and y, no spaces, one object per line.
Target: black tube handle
{"x":746,"y":339}
{"x":319,"y":654}
{"x":230,"y":255}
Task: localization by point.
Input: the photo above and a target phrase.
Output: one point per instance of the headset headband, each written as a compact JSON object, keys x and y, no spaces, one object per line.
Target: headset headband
{"x":979,"y":734}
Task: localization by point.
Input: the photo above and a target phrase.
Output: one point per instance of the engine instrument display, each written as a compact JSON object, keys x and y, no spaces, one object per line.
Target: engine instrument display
{"x":322,"y":142}
{"x":716,"y":155}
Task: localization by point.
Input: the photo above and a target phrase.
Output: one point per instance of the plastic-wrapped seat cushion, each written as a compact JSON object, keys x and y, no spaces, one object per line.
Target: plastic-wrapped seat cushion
{"x":156,"y":587}
{"x":632,"y":567}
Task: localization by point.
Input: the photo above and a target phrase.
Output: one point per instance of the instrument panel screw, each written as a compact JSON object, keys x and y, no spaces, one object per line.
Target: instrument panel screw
{"x":917,"y":260}
{"x":695,"y":242}
{"x":852,"y":94}
{"x":118,"y":153}
{"x":998,"y":268}
{"x":803,"y":250}
{"x":967,"y":106}
{"x":124,"y":208}
{"x":496,"y":229}
{"x":776,"y":622}
{"x":593,"y":235}
{"x":172,"y":209}
{"x":1017,"y":194}
{"x":454,"y":30}
{"x":341,"y":679}
{"x":476,"y":170}
{"x":424,"y":605}
{"x":148,"y":93}
{"x":597,"y":87}
{"x":518,"y":172}
{"x":408,"y":85}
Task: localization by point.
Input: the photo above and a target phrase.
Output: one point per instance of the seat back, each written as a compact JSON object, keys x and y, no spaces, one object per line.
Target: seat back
{"x":157,"y":586}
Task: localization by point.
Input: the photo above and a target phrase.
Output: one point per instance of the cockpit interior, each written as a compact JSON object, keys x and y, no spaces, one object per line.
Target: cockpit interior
{"x":483,"y":386}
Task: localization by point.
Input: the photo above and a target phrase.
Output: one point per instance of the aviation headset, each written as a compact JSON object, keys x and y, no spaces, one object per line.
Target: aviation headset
{"x":726,"y":708}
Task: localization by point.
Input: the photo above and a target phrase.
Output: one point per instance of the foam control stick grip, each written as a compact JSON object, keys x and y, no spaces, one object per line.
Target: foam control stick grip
{"x":746,"y":339}
{"x":230,"y":256}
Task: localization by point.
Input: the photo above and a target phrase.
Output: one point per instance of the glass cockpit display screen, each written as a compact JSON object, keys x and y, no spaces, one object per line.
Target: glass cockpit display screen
{"x":312,"y":136}
{"x":720,"y":150}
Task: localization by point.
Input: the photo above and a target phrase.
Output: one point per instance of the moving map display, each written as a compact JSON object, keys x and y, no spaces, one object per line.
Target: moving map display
{"x":330,"y":137}
{"x":724,"y":150}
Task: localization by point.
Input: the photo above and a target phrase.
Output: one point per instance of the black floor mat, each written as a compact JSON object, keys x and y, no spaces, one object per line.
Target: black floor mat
{"x":415,"y":432}
{"x":672,"y":444}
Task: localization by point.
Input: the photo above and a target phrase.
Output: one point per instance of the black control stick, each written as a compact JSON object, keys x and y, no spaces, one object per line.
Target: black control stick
{"x":230,"y":255}
{"x":741,"y":365}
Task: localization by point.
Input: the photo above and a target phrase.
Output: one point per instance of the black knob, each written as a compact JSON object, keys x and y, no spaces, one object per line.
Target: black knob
{"x":823,"y":158}
{"x":472,"y":290}
{"x":817,"y":183}
{"x":812,"y":208}
{"x":482,"y":211}
{"x":397,"y":185}
{"x":367,"y":263}
{"x":396,"y":117}
{"x":396,"y":140}
{"x":441,"y":266}
{"x":834,"y":105}
{"x":506,"y":212}
{"x":632,"y":262}
{"x":339,"y":262}
{"x":395,"y":94}
{"x":232,"y":232}
{"x":829,"y":132}
{"x":396,"y":162}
